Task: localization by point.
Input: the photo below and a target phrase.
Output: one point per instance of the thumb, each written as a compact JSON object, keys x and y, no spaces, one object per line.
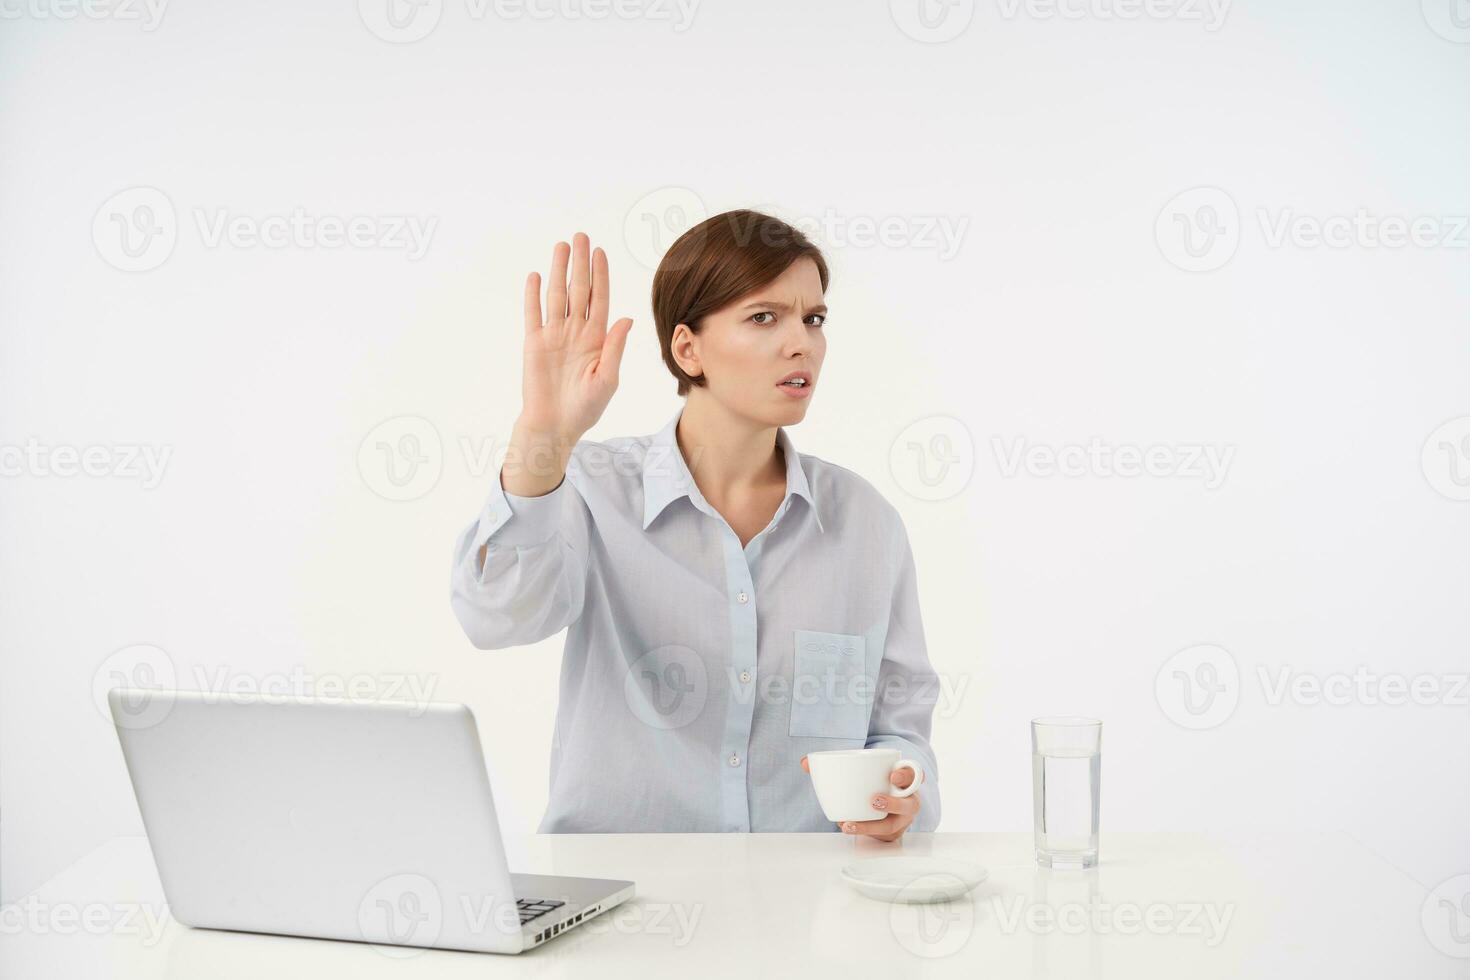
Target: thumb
{"x":806,"y":768}
{"x":613,"y":346}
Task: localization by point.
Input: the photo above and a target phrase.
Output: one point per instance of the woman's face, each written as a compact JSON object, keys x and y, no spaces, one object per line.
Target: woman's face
{"x":747,"y":348}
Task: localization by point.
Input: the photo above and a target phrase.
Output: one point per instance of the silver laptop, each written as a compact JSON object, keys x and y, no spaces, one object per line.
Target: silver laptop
{"x":371,"y":822}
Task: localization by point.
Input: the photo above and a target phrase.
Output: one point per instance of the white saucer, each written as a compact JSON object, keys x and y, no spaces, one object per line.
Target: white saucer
{"x":914,"y":880}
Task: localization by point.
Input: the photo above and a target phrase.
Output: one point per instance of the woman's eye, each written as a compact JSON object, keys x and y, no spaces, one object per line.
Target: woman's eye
{"x":820,"y":318}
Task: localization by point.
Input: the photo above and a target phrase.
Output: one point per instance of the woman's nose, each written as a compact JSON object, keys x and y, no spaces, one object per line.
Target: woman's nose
{"x":797,"y":338}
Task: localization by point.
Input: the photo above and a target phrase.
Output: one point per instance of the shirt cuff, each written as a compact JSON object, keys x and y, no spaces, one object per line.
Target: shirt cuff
{"x":520,"y":521}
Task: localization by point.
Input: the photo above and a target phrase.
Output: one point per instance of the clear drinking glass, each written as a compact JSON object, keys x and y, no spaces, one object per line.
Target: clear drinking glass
{"x":1066,"y":781}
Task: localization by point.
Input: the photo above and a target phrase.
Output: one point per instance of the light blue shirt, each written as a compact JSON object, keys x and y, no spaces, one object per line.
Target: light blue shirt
{"x":697,"y":672}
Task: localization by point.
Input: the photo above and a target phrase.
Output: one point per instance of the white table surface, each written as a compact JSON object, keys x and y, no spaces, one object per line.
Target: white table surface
{"x":1306,"y":905}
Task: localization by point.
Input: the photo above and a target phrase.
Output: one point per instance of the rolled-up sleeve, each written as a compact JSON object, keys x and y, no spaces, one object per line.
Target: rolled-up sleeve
{"x":533,"y":580}
{"x":908,"y":688}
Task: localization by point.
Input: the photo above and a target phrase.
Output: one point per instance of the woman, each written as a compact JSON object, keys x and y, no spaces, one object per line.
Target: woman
{"x":732,"y":604}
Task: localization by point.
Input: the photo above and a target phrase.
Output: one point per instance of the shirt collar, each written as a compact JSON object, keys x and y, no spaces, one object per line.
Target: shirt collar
{"x":666,"y":476}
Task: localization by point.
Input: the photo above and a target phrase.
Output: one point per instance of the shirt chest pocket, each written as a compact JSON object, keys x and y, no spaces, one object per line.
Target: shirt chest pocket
{"x":831,"y":696}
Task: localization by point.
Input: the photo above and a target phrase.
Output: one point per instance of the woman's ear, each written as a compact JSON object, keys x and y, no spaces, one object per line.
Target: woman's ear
{"x":685,"y":350}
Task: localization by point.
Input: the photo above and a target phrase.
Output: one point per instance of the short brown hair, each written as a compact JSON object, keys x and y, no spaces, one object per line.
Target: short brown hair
{"x":715,"y":263}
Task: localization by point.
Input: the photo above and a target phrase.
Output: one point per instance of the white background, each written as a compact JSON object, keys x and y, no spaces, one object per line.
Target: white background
{"x":1057,"y":143}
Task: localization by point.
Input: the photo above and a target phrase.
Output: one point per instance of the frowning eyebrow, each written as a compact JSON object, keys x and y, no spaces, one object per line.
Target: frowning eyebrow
{"x":775,"y":305}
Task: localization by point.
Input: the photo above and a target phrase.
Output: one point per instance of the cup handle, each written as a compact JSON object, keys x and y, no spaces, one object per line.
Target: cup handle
{"x":918,"y":772}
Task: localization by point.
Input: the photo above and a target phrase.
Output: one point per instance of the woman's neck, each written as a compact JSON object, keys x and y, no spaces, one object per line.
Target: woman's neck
{"x":728,"y":455}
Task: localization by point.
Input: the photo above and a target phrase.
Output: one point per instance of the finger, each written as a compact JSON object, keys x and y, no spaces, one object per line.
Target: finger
{"x":533,"y":303}
{"x":901,"y":778}
{"x":908,"y":805}
{"x":612,"y":349}
{"x":875,"y":828}
{"x":581,"y":279}
{"x":556,"y":286}
{"x":804,"y":766}
{"x":597,"y":316}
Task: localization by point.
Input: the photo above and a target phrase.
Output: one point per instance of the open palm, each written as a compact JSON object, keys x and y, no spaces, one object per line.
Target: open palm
{"x":571,"y":358}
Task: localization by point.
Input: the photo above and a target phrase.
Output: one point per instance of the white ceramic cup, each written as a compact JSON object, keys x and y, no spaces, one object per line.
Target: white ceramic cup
{"x":846,"y":780}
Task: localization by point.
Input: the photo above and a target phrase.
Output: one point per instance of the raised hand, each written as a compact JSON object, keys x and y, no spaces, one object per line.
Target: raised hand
{"x":571,"y":358}
{"x":569,"y":367}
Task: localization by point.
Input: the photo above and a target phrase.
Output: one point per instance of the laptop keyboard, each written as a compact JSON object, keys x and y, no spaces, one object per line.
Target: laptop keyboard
{"x":531,"y":908}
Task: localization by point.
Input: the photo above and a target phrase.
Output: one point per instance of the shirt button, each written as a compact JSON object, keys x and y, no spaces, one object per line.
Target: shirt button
{"x":743,"y":598}
{"x":745,"y":676}
{"x":734,"y":759}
